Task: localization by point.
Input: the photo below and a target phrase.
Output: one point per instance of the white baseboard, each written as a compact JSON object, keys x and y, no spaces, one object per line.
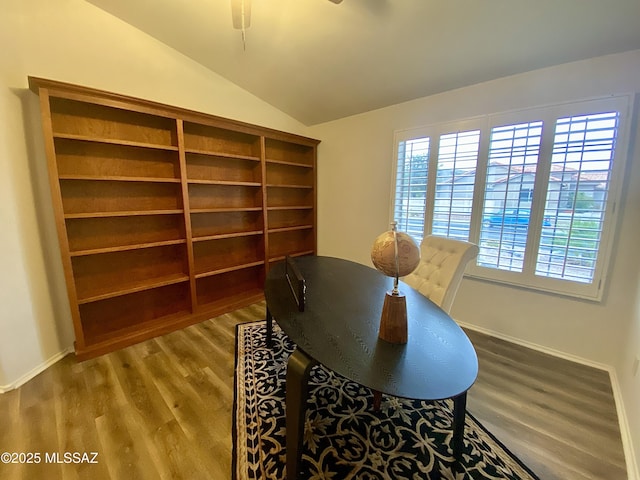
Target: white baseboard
{"x":35,"y":371}
{"x":535,"y":346}
{"x":627,"y":444}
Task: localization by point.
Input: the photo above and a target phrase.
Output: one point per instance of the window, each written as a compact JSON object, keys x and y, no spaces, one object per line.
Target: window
{"x":535,"y":189}
{"x":455,"y":179}
{"x":579,"y":182}
{"x":513,"y":158}
{"x":411,"y":186}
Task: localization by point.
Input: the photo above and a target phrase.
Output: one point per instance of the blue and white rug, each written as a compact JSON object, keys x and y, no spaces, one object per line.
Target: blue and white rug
{"x":344,"y":437}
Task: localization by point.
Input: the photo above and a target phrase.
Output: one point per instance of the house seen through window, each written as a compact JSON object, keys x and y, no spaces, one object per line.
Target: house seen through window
{"x":535,"y":189}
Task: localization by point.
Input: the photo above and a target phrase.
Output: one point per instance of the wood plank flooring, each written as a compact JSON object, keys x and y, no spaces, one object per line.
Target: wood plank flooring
{"x":557,"y":416}
{"x":163,"y":410}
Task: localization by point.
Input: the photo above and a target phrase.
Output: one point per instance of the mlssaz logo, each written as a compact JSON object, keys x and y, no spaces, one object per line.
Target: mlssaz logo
{"x":71,"y":457}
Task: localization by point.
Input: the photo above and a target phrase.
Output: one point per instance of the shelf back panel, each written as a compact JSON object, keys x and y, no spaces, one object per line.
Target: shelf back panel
{"x":88,"y":196}
{"x":76,"y":157}
{"x":224,"y":196}
{"x":112,"y":317}
{"x":217,"y":288}
{"x":109,"y":232}
{"x":71,"y":117}
{"x":106,"y":273}
{"x":290,"y":242}
{"x":225,"y":253}
{"x":206,"y":167}
{"x":290,"y":218}
{"x":280,"y":174}
{"x":214,"y":139}
{"x":221,"y":223}
{"x":289,"y":152}
{"x":289,"y":197}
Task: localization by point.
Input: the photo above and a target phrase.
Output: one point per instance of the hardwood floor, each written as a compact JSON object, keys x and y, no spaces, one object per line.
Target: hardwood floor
{"x":162,"y":409}
{"x":557,"y":416}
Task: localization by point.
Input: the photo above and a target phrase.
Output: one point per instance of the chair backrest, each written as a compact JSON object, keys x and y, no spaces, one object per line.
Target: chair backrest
{"x":441,"y":267}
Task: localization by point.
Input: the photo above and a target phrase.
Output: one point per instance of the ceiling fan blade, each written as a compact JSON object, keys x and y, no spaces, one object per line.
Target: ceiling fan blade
{"x":241,"y":13}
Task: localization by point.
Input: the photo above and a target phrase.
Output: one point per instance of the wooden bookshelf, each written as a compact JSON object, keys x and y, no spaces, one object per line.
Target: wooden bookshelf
{"x":291,"y":198}
{"x":166,"y":216}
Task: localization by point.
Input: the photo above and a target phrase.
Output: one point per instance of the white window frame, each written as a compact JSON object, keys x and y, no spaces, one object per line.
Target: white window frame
{"x":548,"y":114}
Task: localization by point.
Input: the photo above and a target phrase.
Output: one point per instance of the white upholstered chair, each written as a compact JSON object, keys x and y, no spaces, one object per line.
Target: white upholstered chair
{"x":442,"y":264}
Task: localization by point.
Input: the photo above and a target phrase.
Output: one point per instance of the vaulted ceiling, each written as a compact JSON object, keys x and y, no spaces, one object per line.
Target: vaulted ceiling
{"x":319,"y":61}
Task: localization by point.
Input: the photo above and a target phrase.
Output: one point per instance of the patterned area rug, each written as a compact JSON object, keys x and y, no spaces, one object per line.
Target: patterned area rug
{"x":344,"y":438}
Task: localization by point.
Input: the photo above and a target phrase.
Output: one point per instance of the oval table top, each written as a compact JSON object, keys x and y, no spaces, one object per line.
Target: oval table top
{"x":339,"y":329}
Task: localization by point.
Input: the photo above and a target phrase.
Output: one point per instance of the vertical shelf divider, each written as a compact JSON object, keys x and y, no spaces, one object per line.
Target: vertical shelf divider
{"x":184,"y":186}
{"x":63,"y":239}
{"x":315,"y":200}
{"x":265,"y":210}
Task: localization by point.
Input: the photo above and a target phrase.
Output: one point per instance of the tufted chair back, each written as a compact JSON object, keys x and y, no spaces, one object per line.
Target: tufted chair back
{"x":442,"y":264}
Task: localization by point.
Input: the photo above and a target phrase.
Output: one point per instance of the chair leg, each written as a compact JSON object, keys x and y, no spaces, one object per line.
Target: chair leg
{"x":377,"y":399}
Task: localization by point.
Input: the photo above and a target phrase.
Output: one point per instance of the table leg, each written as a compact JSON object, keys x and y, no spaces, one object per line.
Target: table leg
{"x":377,"y":400}
{"x":297,"y":388}
{"x":459,"y":412}
{"x":269,"y":327}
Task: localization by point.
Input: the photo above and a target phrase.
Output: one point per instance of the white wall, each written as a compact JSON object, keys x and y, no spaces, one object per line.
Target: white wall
{"x":355,"y":166}
{"x":630,"y":382}
{"x":628,"y":376}
{"x":73,"y":41}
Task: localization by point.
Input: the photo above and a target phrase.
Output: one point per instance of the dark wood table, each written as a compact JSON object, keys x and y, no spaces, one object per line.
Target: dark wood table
{"x":339,"y":329}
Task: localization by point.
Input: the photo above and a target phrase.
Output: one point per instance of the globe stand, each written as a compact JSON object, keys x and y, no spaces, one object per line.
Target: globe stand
{"x":395,"y":254}
{"x":393,"y":321}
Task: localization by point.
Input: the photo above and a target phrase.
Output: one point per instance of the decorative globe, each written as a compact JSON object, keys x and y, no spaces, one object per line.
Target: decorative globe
{"x":383,"y":254}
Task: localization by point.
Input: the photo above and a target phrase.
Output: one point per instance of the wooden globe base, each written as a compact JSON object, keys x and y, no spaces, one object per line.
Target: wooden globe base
{"x":393,"y":321}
